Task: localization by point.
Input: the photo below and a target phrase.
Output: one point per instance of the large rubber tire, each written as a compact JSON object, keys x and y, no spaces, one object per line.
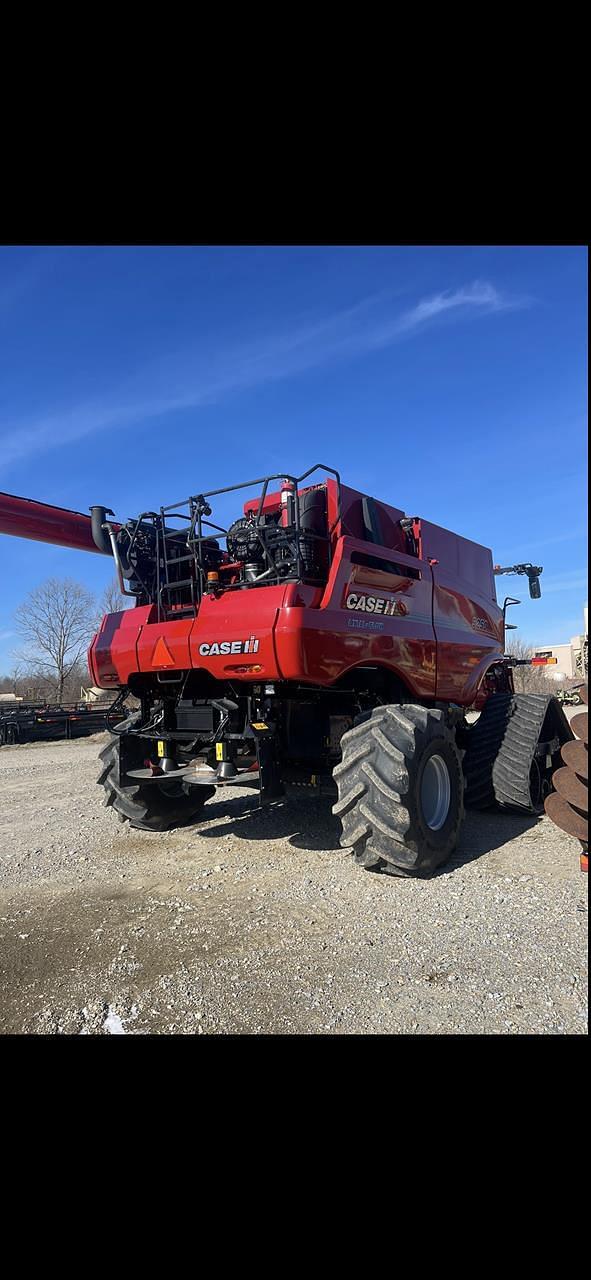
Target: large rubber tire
{"x":389,"y":761}
{"x":151,"y":807}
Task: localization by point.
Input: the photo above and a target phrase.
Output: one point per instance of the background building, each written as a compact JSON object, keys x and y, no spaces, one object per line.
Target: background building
{"x":563,"y":662}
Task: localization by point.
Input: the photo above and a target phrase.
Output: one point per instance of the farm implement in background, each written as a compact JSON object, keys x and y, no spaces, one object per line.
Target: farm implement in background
{"x":33,"y":722}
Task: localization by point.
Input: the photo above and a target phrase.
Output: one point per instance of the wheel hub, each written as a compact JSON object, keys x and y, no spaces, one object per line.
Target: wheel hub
{"x":435,"y":792}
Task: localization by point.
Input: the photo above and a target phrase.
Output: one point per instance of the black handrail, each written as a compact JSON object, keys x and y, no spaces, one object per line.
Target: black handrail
{"x":199,"y":530}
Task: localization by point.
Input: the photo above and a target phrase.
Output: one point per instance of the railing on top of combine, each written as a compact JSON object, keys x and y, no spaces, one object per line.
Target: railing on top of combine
{"x":280,"y":537}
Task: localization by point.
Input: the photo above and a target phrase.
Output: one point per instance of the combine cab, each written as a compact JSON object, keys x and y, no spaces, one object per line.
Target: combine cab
{"x":310,"y":637}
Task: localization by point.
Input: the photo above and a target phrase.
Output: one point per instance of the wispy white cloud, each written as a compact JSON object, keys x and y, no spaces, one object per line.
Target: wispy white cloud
{"x":5,"y":635}
{"x":193,"y":379}
{"x":480,"y":295}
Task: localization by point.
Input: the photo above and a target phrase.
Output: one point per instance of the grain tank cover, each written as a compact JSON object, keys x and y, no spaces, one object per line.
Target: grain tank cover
{"x":464,"y":559}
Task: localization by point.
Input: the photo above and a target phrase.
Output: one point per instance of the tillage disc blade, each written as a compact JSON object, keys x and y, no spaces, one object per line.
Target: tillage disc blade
{"x":568,"y":804}
{"x":571,"y":788}
{"x":575,"y":756}
{"x":565,"y":817}
{"x":578,"y":725}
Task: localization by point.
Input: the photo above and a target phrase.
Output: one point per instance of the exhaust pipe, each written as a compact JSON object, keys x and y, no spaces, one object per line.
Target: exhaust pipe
{"x":98,"y":516}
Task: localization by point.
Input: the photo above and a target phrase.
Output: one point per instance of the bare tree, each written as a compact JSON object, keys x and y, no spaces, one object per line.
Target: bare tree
{"x":16,"y":677}
{"x":528,"y":679}
{"x":57,"y":621}
{"x":12,"y":683}
{"x":112,"y":601}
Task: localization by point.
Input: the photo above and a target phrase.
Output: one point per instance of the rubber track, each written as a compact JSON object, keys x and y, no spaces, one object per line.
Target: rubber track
{"x":535,"y":717}
{"x":501,"y":749}
{"x":483,"y":744}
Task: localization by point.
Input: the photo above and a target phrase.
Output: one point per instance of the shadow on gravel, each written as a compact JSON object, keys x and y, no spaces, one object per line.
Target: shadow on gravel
{"x":307,"y":824}
{"x":484,"y":832}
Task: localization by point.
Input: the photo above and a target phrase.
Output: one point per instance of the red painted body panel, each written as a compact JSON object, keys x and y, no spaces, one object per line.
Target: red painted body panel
{"x":320,"y":644}
{"x":164,"y":646}
{"x":309,"y":635}
{"x":112,"y":656}
{"x":352,"y":517}
{"x":468,"y":623}
{"x":469,"y":631}
{"x":434,"y":622}
{"x":233,"y":617}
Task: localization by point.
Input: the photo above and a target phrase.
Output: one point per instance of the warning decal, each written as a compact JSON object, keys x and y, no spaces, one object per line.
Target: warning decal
{"x":162,"y":656}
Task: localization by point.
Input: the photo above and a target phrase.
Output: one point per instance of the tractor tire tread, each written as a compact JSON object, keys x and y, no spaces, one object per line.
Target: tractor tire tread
{"x":377,"y":799}
{"x":147,"y":808}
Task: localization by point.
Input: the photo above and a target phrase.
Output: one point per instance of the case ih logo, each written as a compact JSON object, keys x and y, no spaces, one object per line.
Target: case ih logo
{"x":376,"y":604}
{"x":229,"y":646}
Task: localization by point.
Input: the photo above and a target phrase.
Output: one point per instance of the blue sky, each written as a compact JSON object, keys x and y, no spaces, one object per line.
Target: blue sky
{"x":449,"y":381}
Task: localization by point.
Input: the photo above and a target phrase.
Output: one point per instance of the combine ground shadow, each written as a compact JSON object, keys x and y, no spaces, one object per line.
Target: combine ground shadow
{"x":306,"y":823}
{"x":309,"y":824}
{"x":483,"y":832}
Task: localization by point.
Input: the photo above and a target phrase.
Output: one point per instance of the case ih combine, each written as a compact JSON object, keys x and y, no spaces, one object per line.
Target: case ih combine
{"x":324,"y":640}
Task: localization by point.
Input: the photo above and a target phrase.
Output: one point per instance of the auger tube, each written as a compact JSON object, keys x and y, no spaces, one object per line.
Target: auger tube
{"x":26,"y":518}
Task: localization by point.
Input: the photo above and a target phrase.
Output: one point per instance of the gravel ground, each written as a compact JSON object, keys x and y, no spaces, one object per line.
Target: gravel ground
{"x":258,"y":923}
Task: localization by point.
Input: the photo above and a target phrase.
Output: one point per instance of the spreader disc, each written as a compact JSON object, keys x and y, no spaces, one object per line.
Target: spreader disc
{"x":574,"y":754}
{"x":146,"y":775}
{"x":583,"y":694}
{"x":565,"y":817}
{"x":246,"y":778}
{"x":571,"y":788}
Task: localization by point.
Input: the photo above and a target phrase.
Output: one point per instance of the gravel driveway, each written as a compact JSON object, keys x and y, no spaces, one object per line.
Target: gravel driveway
{"x":257,"y":922}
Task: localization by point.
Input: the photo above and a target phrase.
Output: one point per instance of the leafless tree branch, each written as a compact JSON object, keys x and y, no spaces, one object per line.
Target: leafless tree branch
{"x":56,"y":621}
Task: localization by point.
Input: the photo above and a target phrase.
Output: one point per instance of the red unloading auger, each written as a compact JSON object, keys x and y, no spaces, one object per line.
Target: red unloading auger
{"x":25,"y":518}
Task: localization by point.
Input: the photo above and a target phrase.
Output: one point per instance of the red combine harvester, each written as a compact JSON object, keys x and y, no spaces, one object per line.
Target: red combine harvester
{"x":324,"y":640}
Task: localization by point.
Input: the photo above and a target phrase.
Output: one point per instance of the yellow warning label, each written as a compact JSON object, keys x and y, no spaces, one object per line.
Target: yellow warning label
{"x":260,"y":725}
{"x":219,"y":750}
{"x":160,"y":748}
